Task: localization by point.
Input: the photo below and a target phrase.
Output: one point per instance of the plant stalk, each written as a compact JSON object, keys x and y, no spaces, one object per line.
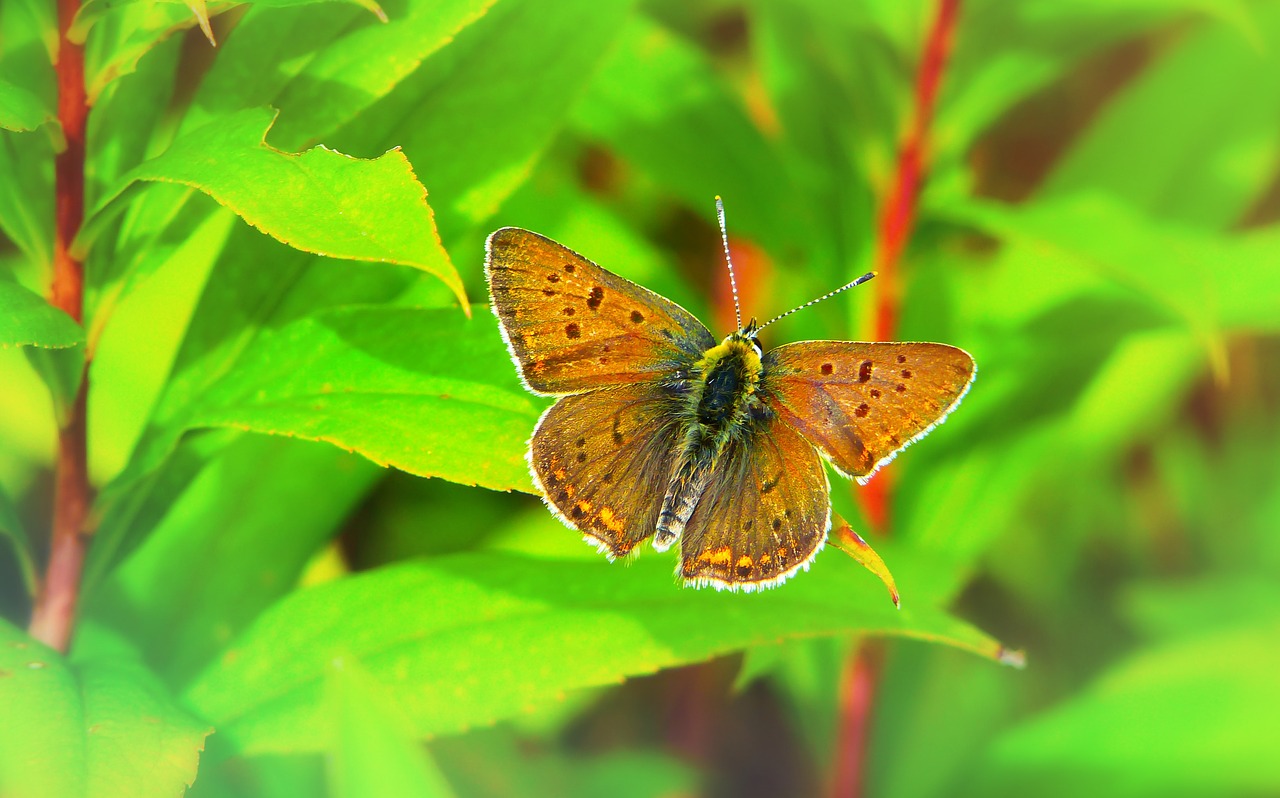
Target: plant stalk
{"x":897,"y":219}
{"x":53,"y":617}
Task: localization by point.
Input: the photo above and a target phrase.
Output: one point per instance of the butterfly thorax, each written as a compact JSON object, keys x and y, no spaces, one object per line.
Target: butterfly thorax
{"x":723,"y":406}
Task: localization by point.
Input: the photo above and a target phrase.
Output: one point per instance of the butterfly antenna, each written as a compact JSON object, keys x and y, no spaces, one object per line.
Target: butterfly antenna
{"x":733,"y":282}
{"x":844,"y":287}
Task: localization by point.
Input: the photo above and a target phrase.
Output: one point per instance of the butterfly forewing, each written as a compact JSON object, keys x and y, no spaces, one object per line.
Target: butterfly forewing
{"x":763,"y":517}
{"x":861,"y":403}
{"x":603,"y":460}
{"x":572,"y":326}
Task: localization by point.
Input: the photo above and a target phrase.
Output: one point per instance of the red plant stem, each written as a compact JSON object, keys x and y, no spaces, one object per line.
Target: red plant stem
{"x":897,"y":217}
{"x":54,"y":614}
{"x":896,"y":222}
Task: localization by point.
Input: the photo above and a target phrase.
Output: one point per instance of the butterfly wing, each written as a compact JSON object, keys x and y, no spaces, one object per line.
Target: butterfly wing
{"x":603,"y":460}
{"x":571,"y":326}
{"x":862,"y":403}
{"x":764,"y":515}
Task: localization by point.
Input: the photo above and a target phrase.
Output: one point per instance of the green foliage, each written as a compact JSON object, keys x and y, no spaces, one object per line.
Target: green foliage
{"x":100,"y":725}
{"x":284,"y":238}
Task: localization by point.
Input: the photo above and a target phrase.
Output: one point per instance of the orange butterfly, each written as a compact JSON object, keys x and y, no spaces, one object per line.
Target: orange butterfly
{"x":660,"y":431}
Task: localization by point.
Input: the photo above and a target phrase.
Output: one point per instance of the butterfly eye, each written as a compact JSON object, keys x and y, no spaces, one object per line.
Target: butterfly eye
{"x":756,"y":346}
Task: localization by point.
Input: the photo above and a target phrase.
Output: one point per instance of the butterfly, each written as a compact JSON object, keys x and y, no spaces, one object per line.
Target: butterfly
{"x":660,"y":431}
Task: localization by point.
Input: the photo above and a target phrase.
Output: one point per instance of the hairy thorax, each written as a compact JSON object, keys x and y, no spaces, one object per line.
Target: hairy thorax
{"x":726,"y":380}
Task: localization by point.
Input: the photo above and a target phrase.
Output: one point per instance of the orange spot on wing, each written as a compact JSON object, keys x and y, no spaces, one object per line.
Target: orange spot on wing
{"x":611,"y":522}
{"x":720,"y":556}
{"x":745,"y":561}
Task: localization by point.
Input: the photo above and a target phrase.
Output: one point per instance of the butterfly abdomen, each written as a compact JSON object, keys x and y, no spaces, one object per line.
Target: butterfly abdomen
{"x":719,"y":408}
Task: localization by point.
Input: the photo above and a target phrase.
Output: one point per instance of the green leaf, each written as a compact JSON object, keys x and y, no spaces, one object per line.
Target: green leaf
{"x":93,"y":10}
{"x":425,"y":391}
{"x":27,"y":319}
{"x":318,"y":201}
{"x":375,"y":751}
{"x":457,"y":116}
{"x":122,"y":40}
{"x":274,"y":502}
{"x":1194,"y":717}
{"x":102,"y":726}
{"x":21,"y":111}
{"x":661,"y":107}
{"x":1208,"y":283}
{"x":466,"y":640}
{"x":42,"y":741}
{"x":1148,"y":148}
{"x":364,"y":65}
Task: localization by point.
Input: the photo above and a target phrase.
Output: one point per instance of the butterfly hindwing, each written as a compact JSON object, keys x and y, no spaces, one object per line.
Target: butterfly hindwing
{"x":573,"y":326}
{"x":603,"y":460}
{"x":764,"y":516}
{"x":861,"y":403}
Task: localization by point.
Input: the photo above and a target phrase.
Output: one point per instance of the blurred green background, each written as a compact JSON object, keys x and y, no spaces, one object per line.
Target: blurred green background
{"x":1098,"y":227}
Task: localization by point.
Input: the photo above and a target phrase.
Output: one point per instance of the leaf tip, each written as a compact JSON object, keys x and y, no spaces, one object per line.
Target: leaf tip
{"x":1013,"y":657}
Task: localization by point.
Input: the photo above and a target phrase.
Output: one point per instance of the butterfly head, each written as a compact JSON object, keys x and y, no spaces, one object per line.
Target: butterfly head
{"x":747,"y":336}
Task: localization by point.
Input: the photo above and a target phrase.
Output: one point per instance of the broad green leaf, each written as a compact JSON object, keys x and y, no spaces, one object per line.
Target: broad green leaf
{"x":21,"y":111}
{"x":27,"y":319}
{"x":11,"y":527}
{"x":375,"y":751}
{"x":139,"y":741}
{"x":661,"y":107}
{"x":93,"y":10}
{"x":1193,"y":717}
{"x":136,"y":338}
{"x":1005,"y":50}
{"x":122,"y":40}
{"x":26,"y":199}
{"x":1208,"y":283}
{"x":223,"y":545}
{"x":1148,"y":147}
{"x":101,"y":726}
{"x":240,"y":299}
{"x":469,"y":639}
{"x":42,"y":740}
{"x":366,"y":64}
{"x":476,"y":118}
{"x":318,"y":201}
{"x":425,"y":391}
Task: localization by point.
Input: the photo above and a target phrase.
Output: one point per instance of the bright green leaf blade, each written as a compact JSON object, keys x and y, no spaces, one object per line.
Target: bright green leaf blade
{"x":20,"y":110}
{"x":42,"y":740}
{"x":425,"y":391}
{"x":140,"y":742}
{"x":476,"y":118}
{"x":273,"y":502}
{"x":27,"y":319}
{"x":1149,"y":148}
{"x":123,"y":40}
{"x":318,"y":201}
{"x":94,"y":10}
{"x":365,"y":65}
{"x":469,"y":639}
{"x":661,"y":106}
{"x":376,"y":752}
{"x":1193,"y":717}
{"x":101,"y":726}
